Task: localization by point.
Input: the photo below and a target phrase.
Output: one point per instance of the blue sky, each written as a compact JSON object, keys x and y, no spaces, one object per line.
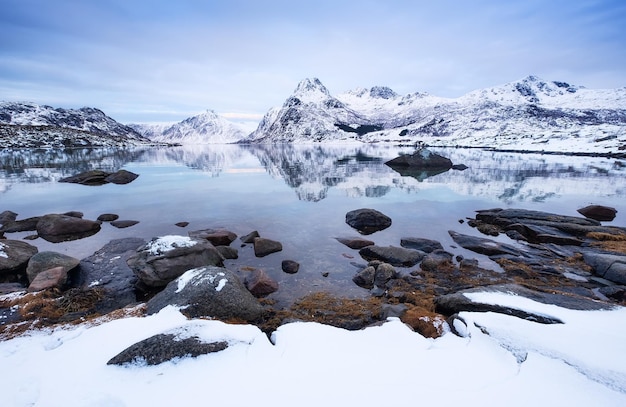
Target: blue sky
{"x":157,"y":60}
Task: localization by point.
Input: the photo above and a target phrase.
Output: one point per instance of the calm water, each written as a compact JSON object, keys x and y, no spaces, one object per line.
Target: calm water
{"x":298,"y":195}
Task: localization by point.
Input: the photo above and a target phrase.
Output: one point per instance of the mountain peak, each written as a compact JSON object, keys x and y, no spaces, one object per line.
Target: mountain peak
{"x":382,"y":92}
{"x":311,"y":85}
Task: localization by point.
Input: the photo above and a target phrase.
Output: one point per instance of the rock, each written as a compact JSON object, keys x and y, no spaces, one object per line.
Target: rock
{"x":384,"y":273}
{"x":354,"y":242}
{"x":396,"y":256}
{"x":421,"y":159}
{"x":263,"y":247}
{"x":167,"y":257}
{"x":107,"y":271}
{"x":228,"y":252}
{"x":454,"y":303}
{"x":392,"y":311}
{"x":459,"y":167}
{"x":483,"y":246}
{"x":421,"y":244}
{"x":181,"y":224}
{"x":108,"y":217}
{"x":22,"y":225}
{"x":55,"y":277}
{"x":218,"y":237}
{"x":616,"y":292}
{"x":14,"y":257}
{"x":437,"y":259}
{"x":121,"y":177}
{"x":57,"y":228}
{"x":365,"y":277}
{"x":121,"y":224}
{"x":367,"y":221}
{"x":598,"y":212}
{"x":8,"y":288}
{"x":47,"y":260}
{"x":7,"y":216}
{"x":249,"y":238}
{"x":609,"y":266}
{"x":208,"y":292}
{"x":165,"y":347}
{"x":260,"y":284}
{"x":290,"y":266}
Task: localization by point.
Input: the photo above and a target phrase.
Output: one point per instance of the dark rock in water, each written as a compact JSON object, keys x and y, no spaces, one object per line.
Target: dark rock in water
{"x":98,"y":177}
{"x":22,"y":225}
{"x":260,"y":284}
{"x":208,"y":292}
{"x":75,"y":214}
{"x":108,"y":217}
{"x":59,"y":228}
{"x":598,"y":212}
{"x":436,"y":259}
{"x":7,"y":216}
{"x":367,"y":221}
{"x":107,"y":271}
{"x":7,"y":288}
{"x":55,"y":277}
{"x":396,"y":256}
{"x":365,"y":277}
{"x":121,"y":224}
{"x":384,"y":273}
{"x":218,"y":237}
{"x":263,"y":247}
{"x":46,"y":260}
{"x":460,"y":167}
{"x":228,"y":252}
{"x":421,"y":244}
{"x":182,"y":224}
{"x":14,"y":257}
{"x":165,"y":258}
{"x":454,"y":303}
{"x":165,"y":347}
{"x":483,"y":246}
{"x":354,"y":242}
{"x":249,"y":238}
{"x":121,"y":177}
{"x":609,"y":266}
{"x":420,"y":165}
{"x":290,"y":266}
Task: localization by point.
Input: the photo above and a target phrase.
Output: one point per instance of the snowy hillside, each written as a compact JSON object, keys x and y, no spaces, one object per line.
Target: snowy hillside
{"x":205,"y":128}
{"x":529,"y":114}
{"x":32,"y":125}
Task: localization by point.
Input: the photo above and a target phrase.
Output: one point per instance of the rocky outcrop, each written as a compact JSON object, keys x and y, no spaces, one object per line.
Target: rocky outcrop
{"x":14,"y":257}
{"x":396,"y":256}
{"x":598,"y":212}
{"x":208,"y":292}
{"x":47,"y":260}
{"x":99,"y":177}
{"x":422,"y":159}
{"x":367,"y":221}
{"x":57,"y":228}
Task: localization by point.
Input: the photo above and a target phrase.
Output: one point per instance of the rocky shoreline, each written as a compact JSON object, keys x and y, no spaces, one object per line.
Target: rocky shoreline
{"x":574,"y":262}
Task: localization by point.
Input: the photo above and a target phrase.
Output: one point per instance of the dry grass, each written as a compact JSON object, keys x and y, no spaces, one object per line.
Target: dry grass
{"x":614,"y":242}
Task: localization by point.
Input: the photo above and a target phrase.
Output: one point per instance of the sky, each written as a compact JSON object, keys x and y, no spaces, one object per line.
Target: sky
{"x":161,"y":61}
{"x":499,"y":360}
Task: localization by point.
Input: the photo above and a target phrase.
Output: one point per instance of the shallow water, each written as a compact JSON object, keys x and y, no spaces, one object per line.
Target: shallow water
{"x":298,"y":195}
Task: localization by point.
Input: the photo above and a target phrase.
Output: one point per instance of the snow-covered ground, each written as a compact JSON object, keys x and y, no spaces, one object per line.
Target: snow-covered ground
{"x":502,"y":360}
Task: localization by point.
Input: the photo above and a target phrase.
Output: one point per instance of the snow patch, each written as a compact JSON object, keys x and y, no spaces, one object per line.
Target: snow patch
{"x":167,"y":243}
{"x":192,"y":277}
{"x":2,"y":252}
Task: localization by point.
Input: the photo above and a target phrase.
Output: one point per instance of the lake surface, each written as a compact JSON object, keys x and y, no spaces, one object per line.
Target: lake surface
{"x":299,"y":195}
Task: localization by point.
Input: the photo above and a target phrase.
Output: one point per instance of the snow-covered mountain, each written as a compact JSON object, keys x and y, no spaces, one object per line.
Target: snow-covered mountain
{"x":24,"y":124}
{"x":205,"y":128}
{"x":529,"y":114}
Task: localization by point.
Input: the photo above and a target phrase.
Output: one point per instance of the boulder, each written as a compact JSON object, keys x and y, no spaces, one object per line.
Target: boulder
{"x":423,"y":159}
{"x":57,"y":228}
{"x":263,"y":247}
{"x":108,"y":217}
{"x":290,"y":266}
{"x":396,"y":256}
{"x":47,"y":260}
{"x":165,"y":258}
{"x":598,"y":212}
{"x":165,"y":347}
{"x":609,"y":266}
{"x":421,"y":244}
{"x":208,"y":292}
{"x":365,"y":277}
{"x":249,"y":238}
{"x":107,"y":271}
{"x":99,"y":177}
{"x":55,"y":277}
{"x":483,"y":246}
{"x":121,"y":224}
{"x":121,"y":177}
{"x":436,"y":259}
{"x":367,"y":221}
{"x":218,"y":237}
{"x":384,"y":273}
{"x":14,"y":257}
{"x":228,"y":252}
{"x":354,"y":242}
{"x":260,"y":284}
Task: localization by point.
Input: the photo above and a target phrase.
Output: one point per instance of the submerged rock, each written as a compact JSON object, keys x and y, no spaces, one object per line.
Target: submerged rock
{"x":260,"y":284}
{"x":396,"y":256}
{"x":264,"y":247}
{"x":57,"y":228}
{"x":99,"y":177}
{"x":367,"y":221}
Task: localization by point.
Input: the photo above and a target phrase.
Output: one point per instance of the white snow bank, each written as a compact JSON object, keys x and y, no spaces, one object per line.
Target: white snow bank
{"x":2,"y":252}
{"x":193,"y":276}
{"x":520,"y":363}
{"x":167,"y":243}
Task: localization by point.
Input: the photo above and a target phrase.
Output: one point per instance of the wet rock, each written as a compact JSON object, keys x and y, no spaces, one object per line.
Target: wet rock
{"x":396,"y":256}
{"x":14,"y":257}
{"x":436,"y":259}
{"x":365,"y":277}
{"x":98,"y":177}
{"x":260,"y":284}
{"x":107,"y":271}
{"x":384,"y":273}
{"x":228,"y":252}
{"x":122,"y":224}
{"x":165,"y":347}
{"x":598,"y":212}
{"x":218,"y":237}
{"x":7,"y":216}
{"x":57,"y":228}
{"x":367,"y":221}
{"x":421,"y":244}
{"x":165,"y":258}
{"x":22,"y":225}
{"x":249,"y":238}
{"x":483,"y":246}
{"x":55,"y":277}
{"x":290,"y":266}
{"x":121,"y":177}
{"x":609,"y":266}
{"x":47,"y":260}
{"x":354,"y":242}
{"x":208,"y":292}
{"x":108,"y":217}
{"x":264,"y":247}
{"x":423,"y":159}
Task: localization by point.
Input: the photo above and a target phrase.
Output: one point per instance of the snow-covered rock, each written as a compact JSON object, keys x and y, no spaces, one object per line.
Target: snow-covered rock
{"x":528,"y":114}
